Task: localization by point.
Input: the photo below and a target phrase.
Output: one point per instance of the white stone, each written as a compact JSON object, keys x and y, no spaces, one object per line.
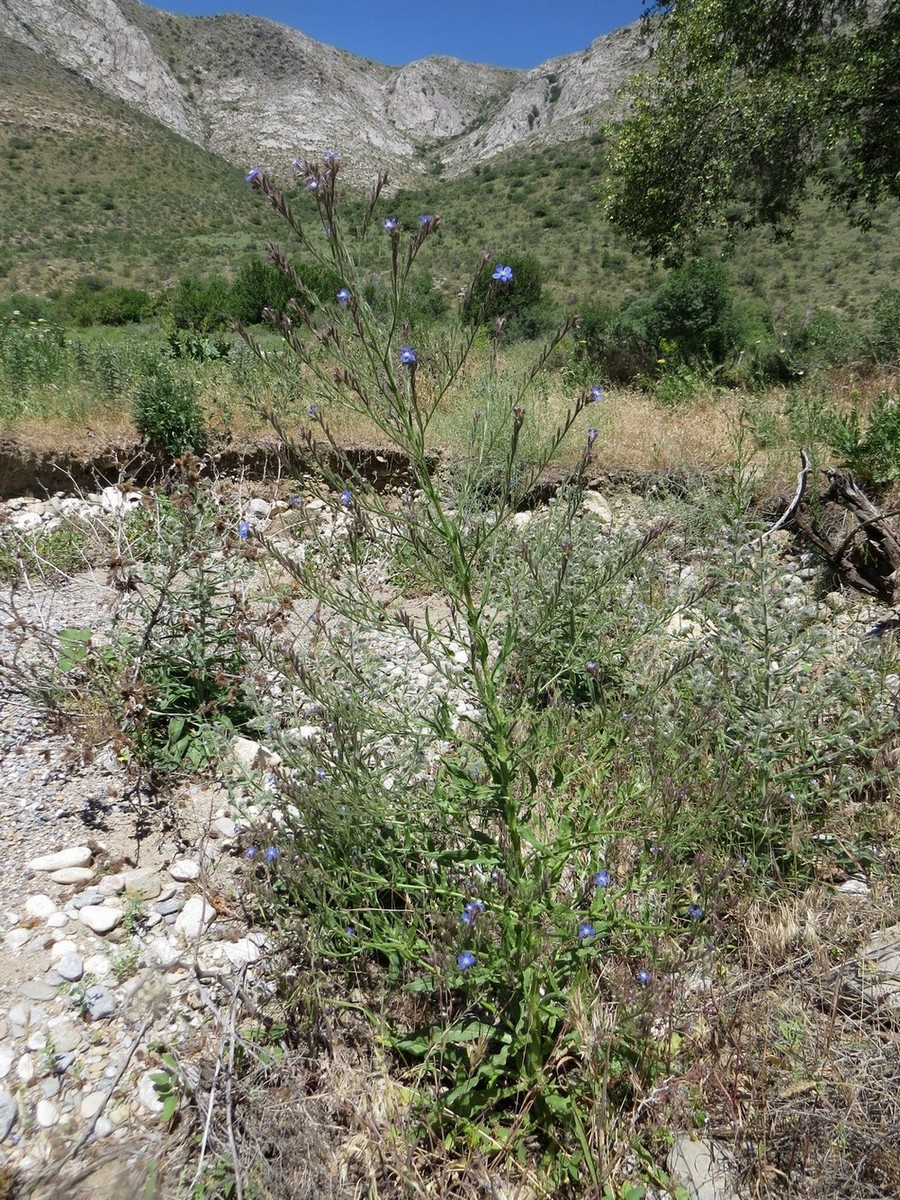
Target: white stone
{"x":71,"y":967}
{"x":26,"y":521}
{"x":61,"y":948}
{"x":25,"y":1068}
{"x":46,"y":1113}
{"x":704,"y":1168}
{"x":224,"y":827}
{"x":241,"y":953}
{"x":253,"y":756}
{"x":91,"y":1104}
{"x":142,"y":884}
{"x":103,"y":1127}
{"x":37,"y":1041}
{"x":597,"y":506}
{"x":682,"y":626}
{"x":75,"y":856}
{"x":57,"y":920}
{"x":17,"y":938}
{"x":73,"y":875}
{"x":164,"y":951}
{"x":7,"y":1057}
{"x":194,"y":917}
{"x":146,"y":1093}
{"x":40,"y":906}
{"x":184,"y":870}
{"x":111,"y":885}
{"x":97,"y":965}
{"x":855,"y":887}
{"x":114,"y":499}
{"x":99,"y":918}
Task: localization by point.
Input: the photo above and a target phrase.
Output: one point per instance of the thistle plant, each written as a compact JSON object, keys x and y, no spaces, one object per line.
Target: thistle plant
{"x":451,"y":831}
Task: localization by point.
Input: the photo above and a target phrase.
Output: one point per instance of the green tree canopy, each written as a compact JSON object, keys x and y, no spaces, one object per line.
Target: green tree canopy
{"x":748,"y":106}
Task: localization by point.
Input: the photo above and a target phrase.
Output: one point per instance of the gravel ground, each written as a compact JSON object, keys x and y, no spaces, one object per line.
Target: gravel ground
{"x":97,"y":961}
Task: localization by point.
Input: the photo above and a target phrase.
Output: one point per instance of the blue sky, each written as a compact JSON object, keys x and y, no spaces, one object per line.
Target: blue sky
{"x":504,"y":33}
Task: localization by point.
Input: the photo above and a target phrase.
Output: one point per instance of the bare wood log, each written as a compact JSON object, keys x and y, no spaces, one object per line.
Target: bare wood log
{"x":791,"y":510}
{"x":882,"y":539}
{"x":868,"y":557}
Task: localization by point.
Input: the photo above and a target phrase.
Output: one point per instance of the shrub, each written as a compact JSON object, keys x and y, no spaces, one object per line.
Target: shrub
{"x":203,"y":305}
{"x":121,"y":306}
{"x":623,"y":344}
{"x":823,"y":339}
{"x":873,"y":452}
{"x":487,"y":299}
{"x":695,"y":312}
{"x":168,"y":416}
{"x":886,"y":326}
{"x":25,"y":308}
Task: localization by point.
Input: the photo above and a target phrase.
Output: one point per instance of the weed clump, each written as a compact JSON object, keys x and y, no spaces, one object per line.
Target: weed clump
{"x":168,"y":415}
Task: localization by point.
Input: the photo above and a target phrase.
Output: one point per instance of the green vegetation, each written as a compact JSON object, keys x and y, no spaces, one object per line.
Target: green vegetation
{"x":751,"y":104}
{"x":114,"y":201}
{"x":167,"y":415}
{"x":525,"y":843}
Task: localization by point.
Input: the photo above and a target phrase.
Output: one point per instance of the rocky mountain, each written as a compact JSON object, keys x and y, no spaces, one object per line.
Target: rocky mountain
{"x":253,"y":91}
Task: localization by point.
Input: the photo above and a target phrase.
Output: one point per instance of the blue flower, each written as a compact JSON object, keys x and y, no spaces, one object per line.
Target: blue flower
{"x":312,"y":410}
{"x":591,"y":667}
{"x":596,"y":394}
{"x":253,"y":174}
{"x":643,"y":976}
{"x":350,"y":931}
{"x":601,"y":879}
{"x":343,"y":297}
{"x":346,"y":496}
{"x":250,"y":852}
{"x":424,"y":218}
{"x":502,"y":274}
{"x":586,"y":930}
{"x":297,"y":165}
{"x":408,"y":355}
{"x":331,"y":156}
{"x":243,"y":529}
{"x":312,"y":183}
{"x":320,"y":774}
{"x":695,"y":911}
{"x":389,"y":224}
{"x":592,"y":435}
{"x":465,"y":960}
{"x":471,"y":911}
{"x":271,"y":853}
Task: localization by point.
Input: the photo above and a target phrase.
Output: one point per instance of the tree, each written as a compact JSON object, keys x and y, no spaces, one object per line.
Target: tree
{"x":751,"y":105}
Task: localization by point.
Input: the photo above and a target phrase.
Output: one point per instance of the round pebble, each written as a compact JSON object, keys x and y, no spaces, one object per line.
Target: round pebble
{"x":71,"y":967}
{"x":46,"y":1113}
{"x":99,"y":918}
{"x":184,"y":871}
{"x":75,"y":856}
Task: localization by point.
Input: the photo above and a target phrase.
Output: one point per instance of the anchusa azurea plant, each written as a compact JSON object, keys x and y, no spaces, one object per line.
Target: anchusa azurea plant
{"x":454,"y":808}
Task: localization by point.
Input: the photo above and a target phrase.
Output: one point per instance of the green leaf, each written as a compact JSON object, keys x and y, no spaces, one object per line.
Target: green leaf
{"x":73,"y":646}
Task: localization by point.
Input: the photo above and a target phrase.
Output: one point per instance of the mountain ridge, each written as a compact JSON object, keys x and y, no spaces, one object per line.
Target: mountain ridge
{"x":257,"y":92}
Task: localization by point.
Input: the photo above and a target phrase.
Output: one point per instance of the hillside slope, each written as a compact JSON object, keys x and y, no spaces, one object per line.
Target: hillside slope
{"x":257,"y":92}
